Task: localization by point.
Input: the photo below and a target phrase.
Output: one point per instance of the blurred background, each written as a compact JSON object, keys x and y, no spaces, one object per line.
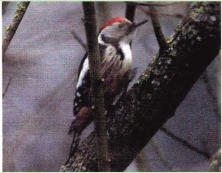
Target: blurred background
{"x":40,"y":71}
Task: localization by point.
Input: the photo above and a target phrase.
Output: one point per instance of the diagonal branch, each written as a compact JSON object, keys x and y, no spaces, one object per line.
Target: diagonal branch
{"x":161,"y":88}
{"x":185,"y":143}
{"x":214,"y":103}
{"x":6,"y":89}
{"x":148,"y":13}
{"x":78,"y":39}
{"x":157,"y":28}
{"x":11,"y":29}
{"x":152,"y":4}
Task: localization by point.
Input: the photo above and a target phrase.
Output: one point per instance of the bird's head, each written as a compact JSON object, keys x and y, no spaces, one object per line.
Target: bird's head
{"x":118,"y":29}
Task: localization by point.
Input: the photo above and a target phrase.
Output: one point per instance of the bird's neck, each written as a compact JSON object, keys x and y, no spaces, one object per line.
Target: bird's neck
{"x":122,"y":50}
{"x":126,"y":50}
{"x":122,"y":46}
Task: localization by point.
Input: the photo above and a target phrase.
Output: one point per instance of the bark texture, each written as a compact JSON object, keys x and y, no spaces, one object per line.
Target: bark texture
{"x":154,"y":98}
{"x":97,"y":92}
{"x":11,"y":29}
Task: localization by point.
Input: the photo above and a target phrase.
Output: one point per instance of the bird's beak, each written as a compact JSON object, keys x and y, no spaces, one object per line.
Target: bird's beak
{"x":135,"y":25}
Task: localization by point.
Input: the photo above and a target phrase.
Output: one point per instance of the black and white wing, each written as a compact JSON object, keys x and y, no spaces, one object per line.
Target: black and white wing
{"x":83,"y":86}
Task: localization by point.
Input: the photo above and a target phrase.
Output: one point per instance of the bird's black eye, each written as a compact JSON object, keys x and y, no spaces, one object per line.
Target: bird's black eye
{"x":121,"y":25}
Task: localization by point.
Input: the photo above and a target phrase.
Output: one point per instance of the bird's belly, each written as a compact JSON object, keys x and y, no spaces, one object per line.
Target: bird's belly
{"x":114,"y":78}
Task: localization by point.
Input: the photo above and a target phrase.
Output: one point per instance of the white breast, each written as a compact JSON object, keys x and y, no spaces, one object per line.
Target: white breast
{"x":127,"y":61}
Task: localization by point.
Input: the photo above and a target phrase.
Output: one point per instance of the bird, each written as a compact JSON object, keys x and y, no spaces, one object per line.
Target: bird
{"x":114,"y":39}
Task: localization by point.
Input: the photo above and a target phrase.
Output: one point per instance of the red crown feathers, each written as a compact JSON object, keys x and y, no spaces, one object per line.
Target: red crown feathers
{"x":111,"y":21}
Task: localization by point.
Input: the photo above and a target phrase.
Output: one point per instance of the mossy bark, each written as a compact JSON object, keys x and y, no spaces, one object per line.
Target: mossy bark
{"x":11,"y":29}
{"x":154,"y":98}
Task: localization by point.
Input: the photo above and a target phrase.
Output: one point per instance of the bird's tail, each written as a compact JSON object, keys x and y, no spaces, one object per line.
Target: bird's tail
{"x":82,"y":120}
{"x":74,"y":145}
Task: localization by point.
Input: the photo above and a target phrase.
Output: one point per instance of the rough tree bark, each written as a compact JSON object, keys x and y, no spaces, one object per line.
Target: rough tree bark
{"x":154,"y":98}
{"x":97,"y":92}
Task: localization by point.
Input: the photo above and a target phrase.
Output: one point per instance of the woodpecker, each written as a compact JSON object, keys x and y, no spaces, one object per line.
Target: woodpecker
{"x":114,"y":38}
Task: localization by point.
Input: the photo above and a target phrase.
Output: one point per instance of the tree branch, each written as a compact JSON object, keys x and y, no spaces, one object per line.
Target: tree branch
{"x":78,"y":39}
{"x":152,"y":4}
{"x":211,"y":94}
{"x":4,"y":6}
{"x":6,"y":89}
{"x":97,"y":92}
{"x":185,"y":143}
{"x":147,"y":12}
{"x":140,"y":113}
{"x":157,"y":28}
{"x":130,"y":11}
{"x":11,"y":29}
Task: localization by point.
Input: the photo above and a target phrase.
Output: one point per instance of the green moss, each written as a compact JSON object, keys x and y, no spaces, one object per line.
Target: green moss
{"x":192,"y":14}
{"x":183,"y":28}
{"x":173,"y":53}
{"x":15,"y":15}
{"x":20,"y":7}
{"x":200,"y":10}
{"x":169,"y":40}
{"x":154,"y":58}
{"x":8,"y":27}
{"x":143,"y":76}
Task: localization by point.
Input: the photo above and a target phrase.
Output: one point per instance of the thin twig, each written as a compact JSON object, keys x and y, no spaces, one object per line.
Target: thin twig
{"x":78,"y":39}
{"x":214,"y":103}
{"x":130,"y":11}
{"x":157,"y":28}
{"x":4,"y":6}
{"x":152,"y":4}
{"x":11,"y":29}
{"x":6,"y":89}
{"x":97,"y":92}
{"x":177,"y":15}
{"x":185,"y":143}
